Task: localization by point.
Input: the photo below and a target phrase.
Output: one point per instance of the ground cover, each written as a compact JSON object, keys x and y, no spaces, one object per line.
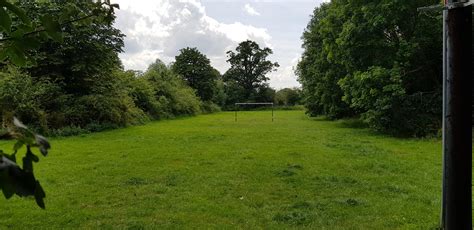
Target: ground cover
{"x":212,"y":172}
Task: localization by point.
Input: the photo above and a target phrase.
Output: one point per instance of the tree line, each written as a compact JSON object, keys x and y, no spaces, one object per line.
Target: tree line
{"x":73,"y":80}
{"x":379,"y":60}
{"x":60,"y":74}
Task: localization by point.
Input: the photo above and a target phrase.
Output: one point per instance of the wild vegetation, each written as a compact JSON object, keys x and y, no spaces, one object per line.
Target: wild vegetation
{"x":60,"y":74}
{"x":376,"y":61}
{"x":380,"y":60}
{"x":76,"y":83}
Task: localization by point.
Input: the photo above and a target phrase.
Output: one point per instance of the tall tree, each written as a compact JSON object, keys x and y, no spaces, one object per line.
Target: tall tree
{"x":18,"y":35}
{"x":378,"y":59}
{"x":195,"y":68}
{"x":319,"y":69}
{"x":249,"y":66}
{"x":86,"y":56}
{"x":83,"y":66}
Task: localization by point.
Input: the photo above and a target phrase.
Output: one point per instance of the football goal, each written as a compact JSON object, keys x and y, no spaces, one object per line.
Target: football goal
{"x":239,"y":105}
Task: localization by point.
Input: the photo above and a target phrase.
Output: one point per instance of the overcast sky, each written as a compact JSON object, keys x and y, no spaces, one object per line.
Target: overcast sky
{"x":160,"y":28}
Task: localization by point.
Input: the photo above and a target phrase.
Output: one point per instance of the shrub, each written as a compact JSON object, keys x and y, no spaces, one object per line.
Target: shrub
{"x":173,"y":95}
{"x":209,"y":107}
{"x":380,"y":95}
{"x":26,"y":99}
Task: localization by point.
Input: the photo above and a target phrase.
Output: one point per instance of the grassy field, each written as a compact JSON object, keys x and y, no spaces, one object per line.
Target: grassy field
{"x":212,"y":172}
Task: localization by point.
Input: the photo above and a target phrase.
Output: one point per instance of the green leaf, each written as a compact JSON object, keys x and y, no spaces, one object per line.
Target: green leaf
{"x":5,"y":184}
{"x":17,"y":55}
{"x":8,"y":191}
{"x":17,"y":34}
{"x":39,"y":195}
{"x":27,"y":164}
{"x":3,"y":56}
{"x":18,"y":145}
{"x":30,"y":43}
{"x":32,"y":156}
{"x":5,"y":20}
{"x":27,"y":28}
{"x":18,"y":11}
{"x":52,"y":27}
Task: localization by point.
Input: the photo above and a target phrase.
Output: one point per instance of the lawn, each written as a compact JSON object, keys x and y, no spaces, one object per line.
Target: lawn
{"x":212,"y":172}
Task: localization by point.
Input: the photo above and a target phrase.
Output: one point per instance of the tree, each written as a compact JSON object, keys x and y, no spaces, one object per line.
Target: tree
{"x":247,"y":74}
{"x":319,"y":69}
{"x":288,"y":96}
{"x":83,"y":66}
{"x":195,"y":68}
{"x":21,"y":32}
{"x":172,"y":93}
{"x":377,"y":59}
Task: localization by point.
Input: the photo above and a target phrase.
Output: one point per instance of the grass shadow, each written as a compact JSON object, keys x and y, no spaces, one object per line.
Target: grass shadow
{"x":352,"y":123}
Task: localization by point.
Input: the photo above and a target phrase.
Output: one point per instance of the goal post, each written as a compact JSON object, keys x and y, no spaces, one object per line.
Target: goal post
{"x":237,"y":105}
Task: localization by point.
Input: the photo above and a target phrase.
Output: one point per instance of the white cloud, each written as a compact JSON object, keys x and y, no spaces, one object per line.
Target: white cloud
{"x":160,"y":28}
{"x":250,"y":10}
{"x":285,"y":77}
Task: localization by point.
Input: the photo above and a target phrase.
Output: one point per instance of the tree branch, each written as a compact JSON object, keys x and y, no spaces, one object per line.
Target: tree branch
{"x":43,"y":30}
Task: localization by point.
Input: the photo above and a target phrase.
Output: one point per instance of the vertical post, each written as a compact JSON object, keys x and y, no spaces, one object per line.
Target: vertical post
{"x":272,"y":112}
{"x":443,"y":188}
{"x":457,"y":203}
{"x":235,"y":109}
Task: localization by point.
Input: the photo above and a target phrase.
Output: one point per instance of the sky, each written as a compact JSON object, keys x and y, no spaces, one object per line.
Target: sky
{"x":158,"y":29}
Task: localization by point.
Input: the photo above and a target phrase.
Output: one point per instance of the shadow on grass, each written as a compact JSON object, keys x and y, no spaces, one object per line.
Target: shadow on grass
{"x":352,"y":123}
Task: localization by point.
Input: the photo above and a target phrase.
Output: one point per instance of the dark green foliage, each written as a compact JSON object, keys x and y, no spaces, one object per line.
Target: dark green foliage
{"x":210,"y":107}
{"x":26,"y":99}
{"x":173,"y":95}
{"x":22,"y":30}
{"x":319,"y":69}
{"x":246,"y":78}
{"x":142,"y":93}
{"x":77,"y":81}
{"x":288,"y":97}
{"x":195,"y":68}
{"x":387,"y":107}
{"x":220,"y":97}
{"x":379,"y":59}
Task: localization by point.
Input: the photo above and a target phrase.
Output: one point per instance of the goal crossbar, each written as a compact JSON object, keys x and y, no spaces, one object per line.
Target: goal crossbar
{"x":253,"y":103}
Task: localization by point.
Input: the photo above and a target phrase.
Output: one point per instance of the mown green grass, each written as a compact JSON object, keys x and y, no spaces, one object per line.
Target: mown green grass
{"x":212,"y":172}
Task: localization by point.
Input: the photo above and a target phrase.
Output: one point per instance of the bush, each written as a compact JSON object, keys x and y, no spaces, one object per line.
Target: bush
{"x":67,"y":131}
{"x":26,"y":99}
{"x":288,"y":97}
{"x":380,"y":95}
{"x":109,"y":103}
{"x":210,"y":107}
{"x":174,"y":96}
{"x":142,"y":93}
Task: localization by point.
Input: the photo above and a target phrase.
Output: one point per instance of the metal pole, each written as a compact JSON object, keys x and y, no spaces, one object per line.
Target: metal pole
{"x":272,"y":112}
{"x":235,"y":112}
{"x":457,"y":204}
{"x":443,"y":189}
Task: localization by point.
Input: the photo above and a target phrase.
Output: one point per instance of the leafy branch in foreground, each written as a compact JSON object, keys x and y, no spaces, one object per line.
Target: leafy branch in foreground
{"x":21,"y":180}
{"x":19,"y":33}
{"x":13,"y":178}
